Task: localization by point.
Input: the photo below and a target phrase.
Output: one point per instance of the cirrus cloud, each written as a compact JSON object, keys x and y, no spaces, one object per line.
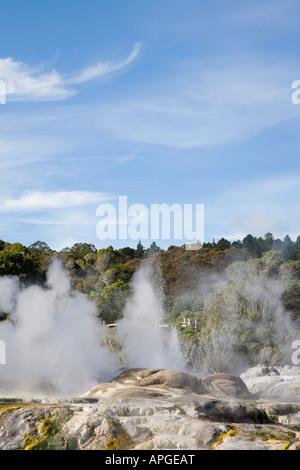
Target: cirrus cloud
{"x":24,"y":83}
{"x":40,"y":201}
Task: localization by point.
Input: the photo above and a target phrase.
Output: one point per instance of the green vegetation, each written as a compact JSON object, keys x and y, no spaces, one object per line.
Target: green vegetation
{"x":221,"y":439}
{"x":244,"y":296}
{"x":120,"y":439}
{"x":47,"y":433}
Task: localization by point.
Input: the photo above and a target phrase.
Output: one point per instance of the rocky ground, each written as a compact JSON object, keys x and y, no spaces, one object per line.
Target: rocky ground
{"x":154,"y":409}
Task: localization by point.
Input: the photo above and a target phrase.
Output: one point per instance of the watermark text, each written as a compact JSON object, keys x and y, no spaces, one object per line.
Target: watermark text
{"x":2,"y":92}
{"x":296,"y":354}
{"x":2,"y":353}
{"x":160,"y":222}
{"x":296,"y":93}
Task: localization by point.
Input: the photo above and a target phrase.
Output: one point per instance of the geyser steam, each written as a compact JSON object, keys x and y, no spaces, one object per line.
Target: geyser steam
{"x":53,"y":339}
{"x":148,"y":343}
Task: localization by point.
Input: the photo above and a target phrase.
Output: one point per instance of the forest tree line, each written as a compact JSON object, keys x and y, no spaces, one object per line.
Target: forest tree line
{"x":244,"y":295}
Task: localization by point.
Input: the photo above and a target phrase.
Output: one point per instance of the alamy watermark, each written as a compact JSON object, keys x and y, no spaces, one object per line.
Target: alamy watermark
{"x":2,"y":92}
{"x":296,"y":93}
{"x":2,"y":353}
{"x":296,"y":354}
{"x":159,"y":222}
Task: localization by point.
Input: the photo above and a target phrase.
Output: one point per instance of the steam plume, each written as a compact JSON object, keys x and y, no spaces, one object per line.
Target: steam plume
{"x":148,"y":344}
{"x":52,"y":341}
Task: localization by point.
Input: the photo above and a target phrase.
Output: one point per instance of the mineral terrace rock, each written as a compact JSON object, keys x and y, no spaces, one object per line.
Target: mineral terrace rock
{"x":166,"y":378}
{"x":152,"y":409}
{"x":230,"y":412}
{"x":282,"y":383}
{"x":218,"y":385}
{"x":226,"y":385}
{"x":29,"y":426}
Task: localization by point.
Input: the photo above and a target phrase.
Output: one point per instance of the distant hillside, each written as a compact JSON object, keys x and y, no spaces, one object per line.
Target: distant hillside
{"x":229,"y":301}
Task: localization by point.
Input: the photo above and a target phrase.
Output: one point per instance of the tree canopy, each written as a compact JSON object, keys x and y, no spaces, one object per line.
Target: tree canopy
{"x":228,"y":288}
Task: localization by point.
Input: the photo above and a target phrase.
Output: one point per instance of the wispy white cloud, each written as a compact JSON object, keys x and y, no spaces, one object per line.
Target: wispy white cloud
{"x":42,"y":201}
{"x":207,"y":103}
{"x":25,"y":83}
{"x":265,"y":191}
{"x":24,"y":150}
{"x":102,"y":68}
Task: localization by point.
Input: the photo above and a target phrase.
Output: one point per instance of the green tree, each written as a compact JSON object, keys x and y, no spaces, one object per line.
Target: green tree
{"x":253,"y":245}
{"x":291,"y":300}
{"x":153,"y":248}
{"x":80,"y":250}
{"x":127,"y":253}
{"x":268,"y":241}
{"x":297,"y":248}
{"x":140,"y":250}
{"x":43,"y":255}
{"x":289,"y":248}
{"x":16,"y":260}
{"x":223,"y":244}
{"x":122,"y":272}
{"x":171,"y":247}
{"x":111,"y":301}
{"x":290,"y":270}
{"x":39,"y":248}
{"x":237,"y":244}
{"x":106,"y":259}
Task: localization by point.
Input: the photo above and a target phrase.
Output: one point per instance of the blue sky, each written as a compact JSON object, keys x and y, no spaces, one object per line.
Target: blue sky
{"x":161,"y":101}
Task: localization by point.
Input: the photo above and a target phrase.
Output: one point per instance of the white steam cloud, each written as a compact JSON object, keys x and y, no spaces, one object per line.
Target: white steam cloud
{"x":52,"y":339}
{"x":148,"y":344}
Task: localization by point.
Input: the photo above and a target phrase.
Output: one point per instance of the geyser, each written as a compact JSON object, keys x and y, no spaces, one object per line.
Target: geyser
{"x":148,"y":342}
{"x":52,"y":338}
